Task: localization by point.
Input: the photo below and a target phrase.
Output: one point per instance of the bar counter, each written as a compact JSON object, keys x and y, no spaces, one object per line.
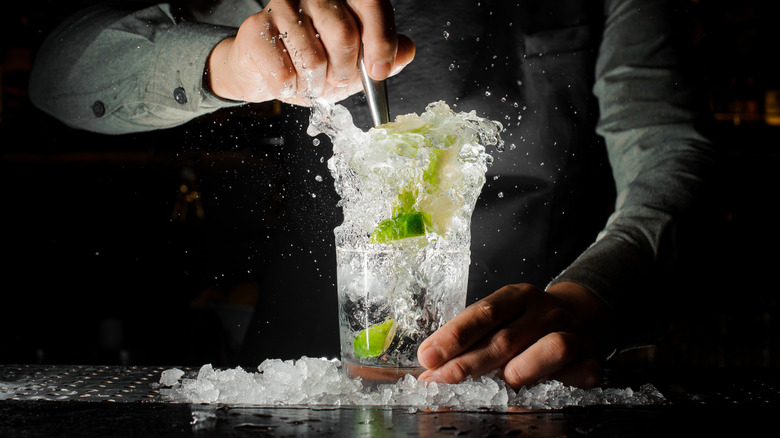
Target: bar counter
{"x":125,"y":401}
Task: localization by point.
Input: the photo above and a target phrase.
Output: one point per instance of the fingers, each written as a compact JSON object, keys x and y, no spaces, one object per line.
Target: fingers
{"x":297,"y":49}
{"x":309,"y":45}
{"x":404,"y":55}
{"x":471,"y":326}
{"x":270,"y":45}
{"x":339,"y":33}
{"x":380,"y":41}
{"x":568,"y":357}
{"x":487,"y":355}
{"x":525,"y":333}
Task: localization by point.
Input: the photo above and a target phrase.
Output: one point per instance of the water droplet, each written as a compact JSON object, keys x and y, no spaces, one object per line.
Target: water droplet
{"x":316,"y":142}
{"x":487,"y":93}
{"x":500,"y":194}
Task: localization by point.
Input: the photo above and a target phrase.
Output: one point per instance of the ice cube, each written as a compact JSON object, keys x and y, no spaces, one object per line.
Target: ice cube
{"x":171,"y":377}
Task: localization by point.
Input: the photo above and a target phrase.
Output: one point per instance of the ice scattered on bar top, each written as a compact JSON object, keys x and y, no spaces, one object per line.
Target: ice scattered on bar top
{"x":318,"y":381}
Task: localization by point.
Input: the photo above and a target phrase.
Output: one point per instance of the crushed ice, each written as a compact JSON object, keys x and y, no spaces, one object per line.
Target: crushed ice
{"x":319,"y":381}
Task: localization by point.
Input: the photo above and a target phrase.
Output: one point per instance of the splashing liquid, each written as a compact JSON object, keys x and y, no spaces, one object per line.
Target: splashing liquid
{"x":431,"y":166}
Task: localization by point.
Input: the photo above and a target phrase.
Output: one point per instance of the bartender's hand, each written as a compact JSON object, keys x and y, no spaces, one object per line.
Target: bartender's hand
{"x":529,"y":335}
{"x":277,"y":52}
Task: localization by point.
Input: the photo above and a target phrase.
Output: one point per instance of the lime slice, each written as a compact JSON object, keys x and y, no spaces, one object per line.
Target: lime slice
{"x":440,"y":200}
{"x":374,"y":340}
{"x":399,"y":227}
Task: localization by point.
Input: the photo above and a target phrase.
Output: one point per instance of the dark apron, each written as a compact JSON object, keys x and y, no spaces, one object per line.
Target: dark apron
{"x":547,"y":194}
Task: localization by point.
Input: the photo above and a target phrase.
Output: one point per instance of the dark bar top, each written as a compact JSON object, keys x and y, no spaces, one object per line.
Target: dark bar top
{"x":124,"y":401}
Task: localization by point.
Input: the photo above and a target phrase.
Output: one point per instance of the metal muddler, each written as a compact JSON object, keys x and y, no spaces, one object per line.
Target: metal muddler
{"x":376,"y":94}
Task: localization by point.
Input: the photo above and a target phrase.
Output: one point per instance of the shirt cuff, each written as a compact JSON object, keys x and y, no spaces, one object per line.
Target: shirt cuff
{"x":618,"y":273}
{"x":181,"y":54}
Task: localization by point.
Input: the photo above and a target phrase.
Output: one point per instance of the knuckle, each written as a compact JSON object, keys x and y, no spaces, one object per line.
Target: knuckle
{"x":368,"y":3}
{"x":558,"y":317}
{"x":453,"y":335}
{"x":513,"y":374}
{"x":253,"y":21}
{"x":503,"y":343}
{"x":486,"y":312}
{"x":518,"y":292}
{"x":458,"y":371}
{"x":558,"y":346}
{"x":313,"y":59}
{"x":285,"y":75}
{"x":328,"y":3}
{"x":341,"y":79}
{"x":385,"y":44}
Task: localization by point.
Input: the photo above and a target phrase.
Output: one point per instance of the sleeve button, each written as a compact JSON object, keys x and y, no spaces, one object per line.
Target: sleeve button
{"x":179,"y":95}
{"x":98,"y":108}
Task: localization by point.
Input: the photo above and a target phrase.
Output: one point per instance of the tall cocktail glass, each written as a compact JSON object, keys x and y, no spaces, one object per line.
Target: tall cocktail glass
{"x":407,"y":189}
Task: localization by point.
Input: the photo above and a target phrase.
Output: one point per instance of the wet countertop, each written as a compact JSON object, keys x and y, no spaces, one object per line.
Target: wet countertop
{"x":119,"y":401}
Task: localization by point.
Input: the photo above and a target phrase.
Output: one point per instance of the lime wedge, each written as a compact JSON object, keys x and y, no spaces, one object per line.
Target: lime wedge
{"x":399,"y":227}
{"x":373,"y":341}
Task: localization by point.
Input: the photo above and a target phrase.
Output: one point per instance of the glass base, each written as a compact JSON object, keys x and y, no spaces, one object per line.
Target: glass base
{"x":374,"y":374}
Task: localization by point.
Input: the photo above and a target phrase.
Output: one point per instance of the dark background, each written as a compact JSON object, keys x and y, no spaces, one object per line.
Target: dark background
{"x":101,"y":265}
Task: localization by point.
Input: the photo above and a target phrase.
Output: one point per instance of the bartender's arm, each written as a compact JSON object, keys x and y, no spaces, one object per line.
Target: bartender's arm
{"x":662,"y":165}
{"x":122,"y":67}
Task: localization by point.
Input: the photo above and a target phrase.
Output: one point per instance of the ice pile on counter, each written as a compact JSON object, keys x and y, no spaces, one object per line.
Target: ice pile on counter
{"x":312,"y":381}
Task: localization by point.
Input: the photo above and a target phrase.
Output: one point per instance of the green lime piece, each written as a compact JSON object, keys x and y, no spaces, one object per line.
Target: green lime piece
{"x":431,"y":174}
{"x":399,"y":227}
{"x":372,"y":341}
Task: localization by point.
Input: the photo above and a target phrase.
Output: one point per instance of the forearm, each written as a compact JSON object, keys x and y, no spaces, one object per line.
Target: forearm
{"x":662,"y":164}
{"x":115,"y":70}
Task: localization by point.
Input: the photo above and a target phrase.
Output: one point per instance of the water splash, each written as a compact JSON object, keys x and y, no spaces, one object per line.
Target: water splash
{"x":371,"y":168}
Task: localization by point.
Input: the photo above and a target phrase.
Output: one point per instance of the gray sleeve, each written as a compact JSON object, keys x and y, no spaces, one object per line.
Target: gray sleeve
{"x":123,"y":67}
{"x":661,"y":162}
